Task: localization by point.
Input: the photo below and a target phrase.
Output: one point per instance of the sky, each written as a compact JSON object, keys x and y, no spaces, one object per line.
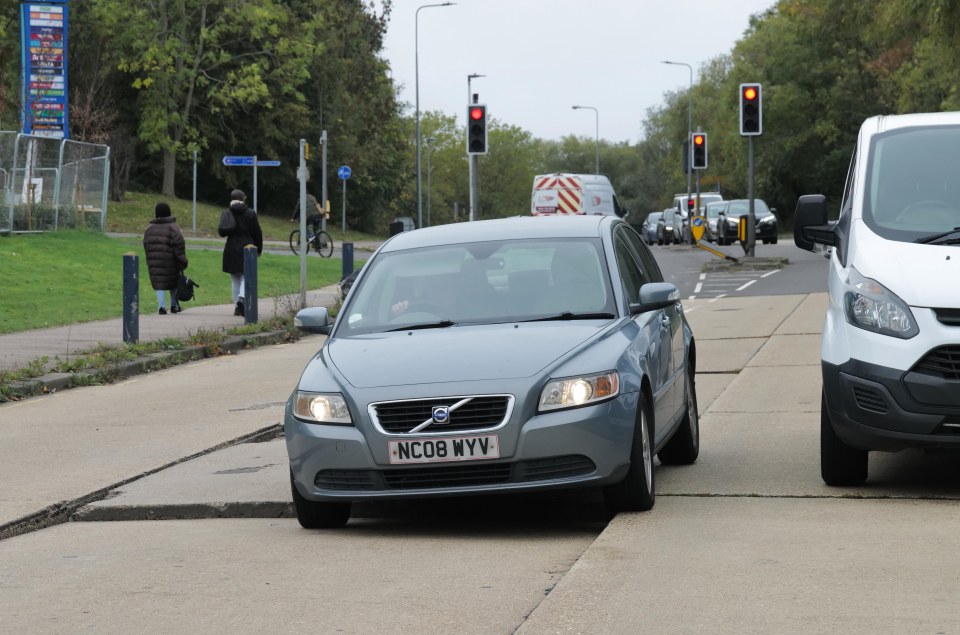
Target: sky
{"x":541,"y":57}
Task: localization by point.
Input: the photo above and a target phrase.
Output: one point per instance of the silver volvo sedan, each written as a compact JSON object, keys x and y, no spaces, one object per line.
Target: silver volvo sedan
{"x":496,"y":356}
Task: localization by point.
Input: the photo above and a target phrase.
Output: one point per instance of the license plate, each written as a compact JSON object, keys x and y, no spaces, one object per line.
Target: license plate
{"x":441,"y":449}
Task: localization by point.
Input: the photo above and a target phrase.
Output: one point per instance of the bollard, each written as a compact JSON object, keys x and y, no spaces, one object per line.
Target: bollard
{"x":131,"y":298}
{"x":250,"y":284}
{"x":347,"y":255}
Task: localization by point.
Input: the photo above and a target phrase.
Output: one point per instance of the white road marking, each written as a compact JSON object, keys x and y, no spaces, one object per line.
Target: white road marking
{"x":769,"y":273}
{"x":745,"y":286}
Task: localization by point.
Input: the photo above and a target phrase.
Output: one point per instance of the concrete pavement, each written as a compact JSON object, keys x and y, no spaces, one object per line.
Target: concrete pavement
{"x":748,"y":539}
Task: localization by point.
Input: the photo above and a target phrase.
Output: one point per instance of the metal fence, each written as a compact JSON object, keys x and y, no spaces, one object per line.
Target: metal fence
{"x":50,"y":184}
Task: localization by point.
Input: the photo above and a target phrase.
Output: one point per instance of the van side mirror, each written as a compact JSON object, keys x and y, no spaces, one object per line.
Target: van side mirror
{"x":810,"y":226}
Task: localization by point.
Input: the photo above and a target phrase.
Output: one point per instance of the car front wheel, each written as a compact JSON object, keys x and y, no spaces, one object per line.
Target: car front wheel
{"x":317,"y":515}
{"x":636,"y":492}
{"x":840,"y":464}
{"x":684,"y":447}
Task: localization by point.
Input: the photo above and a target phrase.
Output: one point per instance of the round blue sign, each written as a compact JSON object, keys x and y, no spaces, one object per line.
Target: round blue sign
{"x":344,"y":172}
{"x":697,"y":221}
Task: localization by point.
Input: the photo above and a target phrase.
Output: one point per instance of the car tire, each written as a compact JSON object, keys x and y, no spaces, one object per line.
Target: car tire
{"x":840,"y":464}
{"x":637,"y":491}
{"x":659,"y":241}
{"x":774,"y":240}
{"x":684,"y":447}
{"x":317,"y":515}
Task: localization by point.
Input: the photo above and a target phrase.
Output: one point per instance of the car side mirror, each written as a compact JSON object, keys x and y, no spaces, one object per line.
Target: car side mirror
{"x":315,"y":319}
{"x":655,"y":295}
{"x":810,"y":226}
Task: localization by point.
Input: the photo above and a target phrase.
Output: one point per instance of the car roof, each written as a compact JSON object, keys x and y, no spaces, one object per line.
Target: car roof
{"x":517,"y":227}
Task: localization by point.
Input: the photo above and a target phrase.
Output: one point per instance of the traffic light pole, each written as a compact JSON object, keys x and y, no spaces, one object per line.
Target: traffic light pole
{"x":474,"y":186}
{"x":751,"y":224}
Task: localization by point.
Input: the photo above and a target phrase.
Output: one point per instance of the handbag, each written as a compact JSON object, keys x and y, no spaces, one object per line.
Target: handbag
{"x":185,"y":288}
{"x":228,"y":222}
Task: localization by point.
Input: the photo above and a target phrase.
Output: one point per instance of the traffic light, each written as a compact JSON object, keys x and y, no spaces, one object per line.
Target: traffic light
{"x":476,"y":129}
{"x":751,"y":110}
{"x":698,"y":159}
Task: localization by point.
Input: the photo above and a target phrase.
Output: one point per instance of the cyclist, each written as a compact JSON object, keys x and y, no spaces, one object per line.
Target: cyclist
{"x":314,"y":214}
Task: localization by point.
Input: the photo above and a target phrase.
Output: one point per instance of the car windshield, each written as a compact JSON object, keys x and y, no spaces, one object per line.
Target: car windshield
{"x":483,"y":282}
{"x":912,"y":191}
{"x":653,"y":218}
{"x":713,"y":210}
{"x":739,"y":208}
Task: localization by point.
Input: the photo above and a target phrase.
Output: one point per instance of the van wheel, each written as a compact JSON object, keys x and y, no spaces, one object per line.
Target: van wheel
{"x":637,"y":491}
{"x":317,"y":515}
{"x":840,"y":464}
{"x":684,"y":447}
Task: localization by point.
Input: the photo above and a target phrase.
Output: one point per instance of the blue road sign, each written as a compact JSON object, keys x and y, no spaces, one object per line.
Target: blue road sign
{"x":344,"y":172}
{"x":238,"y":161}
{"x":268,"y":164}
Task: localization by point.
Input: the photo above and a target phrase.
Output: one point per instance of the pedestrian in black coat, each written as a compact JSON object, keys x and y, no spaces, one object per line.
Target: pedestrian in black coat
{"x":245,"y":231}
{"x":166,"y":256}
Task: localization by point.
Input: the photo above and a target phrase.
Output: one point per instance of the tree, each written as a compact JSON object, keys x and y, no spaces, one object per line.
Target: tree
{"x":213,"y":56}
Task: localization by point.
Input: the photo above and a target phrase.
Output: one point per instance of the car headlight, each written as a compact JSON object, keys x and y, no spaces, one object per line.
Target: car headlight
{"x":765,"y":221}
{"x":573,"y":392}
{"x":871,"y":306}
{"x":327,"y":408}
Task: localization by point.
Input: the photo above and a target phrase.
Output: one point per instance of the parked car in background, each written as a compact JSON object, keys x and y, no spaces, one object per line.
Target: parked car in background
{"x":766,"y":227}
{"x":505,"y":355}
{"x":648,"y":230}
{"x":669,"y":227}
{"x":712,"y":215}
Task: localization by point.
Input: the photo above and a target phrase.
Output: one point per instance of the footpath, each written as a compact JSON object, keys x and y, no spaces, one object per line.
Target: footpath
{"x":20,"y":349}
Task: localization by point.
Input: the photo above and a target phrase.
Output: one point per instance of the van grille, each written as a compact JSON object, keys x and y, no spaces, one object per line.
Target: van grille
{"x":943,"y":361}
{"x":950,"y":317}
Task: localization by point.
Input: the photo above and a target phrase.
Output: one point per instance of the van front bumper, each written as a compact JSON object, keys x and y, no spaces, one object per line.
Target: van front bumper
{"x":874,"y":407}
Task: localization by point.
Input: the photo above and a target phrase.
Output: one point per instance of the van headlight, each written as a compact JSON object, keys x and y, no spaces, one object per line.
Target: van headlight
{"x":326,"y":408}
{"x":871,"y":306}
{"x":573,"y":392}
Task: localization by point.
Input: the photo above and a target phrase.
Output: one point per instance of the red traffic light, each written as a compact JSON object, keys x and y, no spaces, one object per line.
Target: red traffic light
{"x":476,"y":113}
{"x":698,"y":140}
{"x":749,"y":93}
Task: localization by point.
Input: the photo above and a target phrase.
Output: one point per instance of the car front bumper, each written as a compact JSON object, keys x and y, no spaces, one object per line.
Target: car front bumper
{"x":874,"y":407}
{"x":570,"y":448}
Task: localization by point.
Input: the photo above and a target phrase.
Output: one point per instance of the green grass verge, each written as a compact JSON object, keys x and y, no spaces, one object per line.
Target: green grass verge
{"x":67,"y":277}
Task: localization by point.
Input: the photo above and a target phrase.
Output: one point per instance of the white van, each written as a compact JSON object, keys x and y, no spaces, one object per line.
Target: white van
{"x":563,"y":193}
{"x":890,"y":349}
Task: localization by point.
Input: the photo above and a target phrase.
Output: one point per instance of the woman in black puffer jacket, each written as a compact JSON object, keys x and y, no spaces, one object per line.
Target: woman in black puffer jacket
{"x":166,"y":256}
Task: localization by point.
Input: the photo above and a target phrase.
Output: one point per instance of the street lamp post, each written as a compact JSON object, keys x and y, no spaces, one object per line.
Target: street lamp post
{"x":429,"y":141}
{"x":416,"y":81}
{"x":596,"y":114}
{"x":689,"y":123}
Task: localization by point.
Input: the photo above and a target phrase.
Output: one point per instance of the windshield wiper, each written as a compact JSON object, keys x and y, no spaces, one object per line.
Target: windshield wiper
{"x":442,"y":324}
{"x":936,"y":238}
{"x":569,"y":315}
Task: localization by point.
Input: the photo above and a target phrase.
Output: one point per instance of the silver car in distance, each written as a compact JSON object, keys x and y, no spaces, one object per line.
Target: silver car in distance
{"x":497,"y":356}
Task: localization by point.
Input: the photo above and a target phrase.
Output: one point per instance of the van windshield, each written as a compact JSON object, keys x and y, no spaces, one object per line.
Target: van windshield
{"x":912,"y":185}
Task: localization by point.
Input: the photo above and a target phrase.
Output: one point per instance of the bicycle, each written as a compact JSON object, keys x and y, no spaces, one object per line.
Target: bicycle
{"x":321,"y":242}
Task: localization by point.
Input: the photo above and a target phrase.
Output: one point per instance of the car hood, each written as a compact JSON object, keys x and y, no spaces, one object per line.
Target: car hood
{"x":465,"y":353}
{"x":921,"y":275}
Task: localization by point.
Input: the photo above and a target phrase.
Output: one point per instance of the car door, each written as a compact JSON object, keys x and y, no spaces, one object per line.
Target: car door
{"x":674,"y":314}
{"x":652,"y":340}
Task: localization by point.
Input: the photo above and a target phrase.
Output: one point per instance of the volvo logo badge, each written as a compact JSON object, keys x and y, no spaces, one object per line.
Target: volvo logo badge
{"x":441,"y":414}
